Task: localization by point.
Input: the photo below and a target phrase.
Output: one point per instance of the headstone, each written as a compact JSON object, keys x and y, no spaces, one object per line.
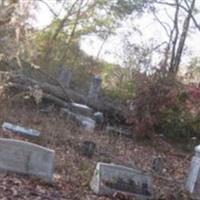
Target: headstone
{"x":81,"y":109}
{"x":86,"y":122}
{"x":157,"y":165}
{"x":20,"y":130}
{"x":65,"y":77}
{"x":99,"y":117}
{"x":95,"y":88}
{"x":109,"y":179}
{"x":193,"y":180}
{"x":26,"y":158}
{"x":88,"y":148}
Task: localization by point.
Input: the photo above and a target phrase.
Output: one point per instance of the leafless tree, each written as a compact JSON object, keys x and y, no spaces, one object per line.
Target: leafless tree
{"x":177,"y":35}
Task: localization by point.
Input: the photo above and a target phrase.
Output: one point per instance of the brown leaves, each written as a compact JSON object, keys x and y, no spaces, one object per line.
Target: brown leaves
{"x":122,"y":196}
{"x":73,"y":171}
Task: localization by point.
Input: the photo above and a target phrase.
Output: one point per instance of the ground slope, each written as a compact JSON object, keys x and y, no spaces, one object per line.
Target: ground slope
{"x":73,"y":171}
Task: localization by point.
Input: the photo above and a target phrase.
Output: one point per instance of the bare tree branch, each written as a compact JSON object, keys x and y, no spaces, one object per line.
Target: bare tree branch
{"x":69,"y":13}
{"x":163,"y":24}
{"x":182,"y":7}
{"x":73,"y":30}
{"x":176,"y":29}
{"x":183,"y":37}
{"x":49,"y":7}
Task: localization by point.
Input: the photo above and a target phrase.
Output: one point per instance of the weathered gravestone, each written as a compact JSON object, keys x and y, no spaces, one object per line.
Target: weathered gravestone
{"x":109,"y":179}
{"x":193,"y":180}
{"x":81,"y":109}
{"x":86,"y":122}
{"x":157,"y":165}
{"x":88,"y":148}
{"x":99,"y":118}
{"x":64,"y":77}
{"x":26,"y":158}
{"x":20,"y":130}
{"x":95,"y":88}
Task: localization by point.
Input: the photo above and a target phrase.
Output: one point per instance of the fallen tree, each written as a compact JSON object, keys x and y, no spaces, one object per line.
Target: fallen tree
{"x":19,"y":82}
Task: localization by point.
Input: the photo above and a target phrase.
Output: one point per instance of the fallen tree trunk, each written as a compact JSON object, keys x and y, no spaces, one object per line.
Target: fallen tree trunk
{"x":56,"y":94}
{"x":45,"y":96}
{"x":47,"y":88}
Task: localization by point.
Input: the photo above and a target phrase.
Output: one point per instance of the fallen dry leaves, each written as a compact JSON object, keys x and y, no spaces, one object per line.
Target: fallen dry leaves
{"x":73,"y":171}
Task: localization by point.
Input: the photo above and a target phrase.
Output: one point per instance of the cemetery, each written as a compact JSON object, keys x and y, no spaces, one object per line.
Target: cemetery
{"x":74,"y":141}
{"x":106,"y":165}
{"x":99,"y":100}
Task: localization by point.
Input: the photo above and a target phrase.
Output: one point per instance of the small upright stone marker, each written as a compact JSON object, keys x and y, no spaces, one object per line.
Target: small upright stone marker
{"x":95,"y":88}
{"x":99,"y":117}
{"x":26,"y":158}
{"x":88,"y":148}
{"x":193,"y":180}
{"x":64,"y":77}
{"x":109,"y":179}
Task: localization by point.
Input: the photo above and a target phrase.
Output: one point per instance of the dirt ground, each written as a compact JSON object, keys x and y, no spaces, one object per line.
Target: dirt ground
{"x":73,"y":171}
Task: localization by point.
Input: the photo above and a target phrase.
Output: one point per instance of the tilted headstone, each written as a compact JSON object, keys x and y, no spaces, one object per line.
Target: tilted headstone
{"x":109,"y":179}
{"x":20,"y":130}
{"x":64,"y":77}
{"x":95,"y":88}
{"x":193,"y":180}
{"x":86,"y":122}
{"x":26,"y":158}
{"x":81,"y":109}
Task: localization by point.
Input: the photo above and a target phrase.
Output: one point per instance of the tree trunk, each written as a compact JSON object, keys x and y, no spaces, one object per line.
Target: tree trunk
{"x":177,"y":59}
{"x":58,"y":96}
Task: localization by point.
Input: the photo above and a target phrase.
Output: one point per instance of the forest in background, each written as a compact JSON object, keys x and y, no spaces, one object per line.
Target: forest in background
{"x":156,"y":103}
{"x":148,"y":98}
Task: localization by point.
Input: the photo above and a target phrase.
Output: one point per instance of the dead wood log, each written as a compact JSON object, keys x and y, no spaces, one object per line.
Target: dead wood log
{"x":23,"y":88}
{"x":48,"y":88}
{"x":55,"y":94}
{"x":56,"y":100}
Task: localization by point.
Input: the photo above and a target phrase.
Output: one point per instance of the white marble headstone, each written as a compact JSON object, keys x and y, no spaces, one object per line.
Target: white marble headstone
{"x":193,"y":180}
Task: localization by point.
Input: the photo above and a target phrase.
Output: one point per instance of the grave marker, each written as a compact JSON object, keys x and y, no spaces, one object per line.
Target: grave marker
{"x":193,"y":180}
{"x":20,"y":130}
{"x":95,"y":88}
{"x":109,"y":179}
{"x":26,"y":158}
{"x":81,"y":109}
{"x":86,"y":122}
{"x":65,"y":77}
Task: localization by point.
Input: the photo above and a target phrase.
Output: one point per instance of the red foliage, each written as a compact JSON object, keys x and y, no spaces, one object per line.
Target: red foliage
{"x":153,"y":95}
{"x":194,"y":92}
